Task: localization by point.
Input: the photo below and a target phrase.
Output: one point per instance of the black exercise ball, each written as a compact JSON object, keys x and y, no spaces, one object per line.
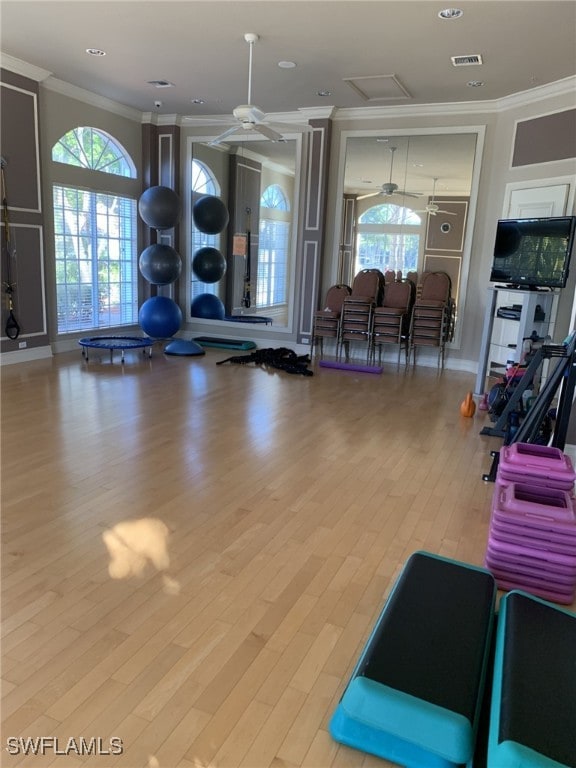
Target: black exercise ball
{"x":160,"y":264}
{"x":210,"y":214}
{"x":208,"y":264}
{"x":159,"y":207}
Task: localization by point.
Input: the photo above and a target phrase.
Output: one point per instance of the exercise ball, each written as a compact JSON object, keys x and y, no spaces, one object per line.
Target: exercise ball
{"x":160,"y":317}
{"x":160,"y":264}
{"x":159,"y":207}
{"x":208,"y":264}
{"x":210,"y":214}
{"x":207,"y":306}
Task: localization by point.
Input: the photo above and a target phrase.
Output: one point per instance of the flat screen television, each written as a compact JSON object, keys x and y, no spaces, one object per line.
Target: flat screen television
{"x":533,"y":253}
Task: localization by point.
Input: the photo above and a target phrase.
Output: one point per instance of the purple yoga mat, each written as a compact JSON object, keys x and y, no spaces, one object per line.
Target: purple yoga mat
{"x":351,"y":366}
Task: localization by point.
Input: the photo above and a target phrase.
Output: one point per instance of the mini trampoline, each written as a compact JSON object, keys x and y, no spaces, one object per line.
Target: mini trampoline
{"x":115,"y":342}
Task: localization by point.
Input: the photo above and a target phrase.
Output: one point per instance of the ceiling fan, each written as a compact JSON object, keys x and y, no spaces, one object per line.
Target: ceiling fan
{"x":390,"y":188}
{"x":249,"y":117}
{"x":432,"y":208}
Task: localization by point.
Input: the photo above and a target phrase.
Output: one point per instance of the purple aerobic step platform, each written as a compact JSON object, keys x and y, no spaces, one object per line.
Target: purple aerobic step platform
{"x":556,"y":593}
{"x":498,"y":563}
{"x":536,"y":559}
{"x":537,"y":465}
{"x":534,"y":509}
{"x":532,"y":537}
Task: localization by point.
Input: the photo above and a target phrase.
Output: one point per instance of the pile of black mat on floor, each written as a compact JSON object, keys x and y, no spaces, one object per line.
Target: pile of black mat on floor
{"x":282,"y":358}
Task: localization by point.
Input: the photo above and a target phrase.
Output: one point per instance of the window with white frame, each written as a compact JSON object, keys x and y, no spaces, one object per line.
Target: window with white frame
{"x":273,"y":248}
{"x":95,"y":240}
{"x":388,"y":237}
{"x":203,"y":183}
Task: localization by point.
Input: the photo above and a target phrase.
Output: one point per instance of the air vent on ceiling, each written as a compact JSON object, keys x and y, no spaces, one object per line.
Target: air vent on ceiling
{"x":466,"y":61}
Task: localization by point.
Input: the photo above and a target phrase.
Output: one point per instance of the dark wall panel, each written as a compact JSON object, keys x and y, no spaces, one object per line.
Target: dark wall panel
{"x":545,"y":139}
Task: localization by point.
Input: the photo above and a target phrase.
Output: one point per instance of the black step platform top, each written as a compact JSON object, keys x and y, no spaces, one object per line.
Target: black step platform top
{"x":538,"y":696}
{"x":433,"y":635}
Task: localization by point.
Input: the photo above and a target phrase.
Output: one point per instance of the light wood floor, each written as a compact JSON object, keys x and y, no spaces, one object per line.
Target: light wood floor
{"x":194,"y":555}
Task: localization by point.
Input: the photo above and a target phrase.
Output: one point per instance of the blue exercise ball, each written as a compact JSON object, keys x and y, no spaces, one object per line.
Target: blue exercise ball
{"x":208,"y":264}
{"x":207,"y":306}
{"x":210,"y":214}
{"x":160,"y":264}
{"x":159,"y":207}
{"x":160,"y":317}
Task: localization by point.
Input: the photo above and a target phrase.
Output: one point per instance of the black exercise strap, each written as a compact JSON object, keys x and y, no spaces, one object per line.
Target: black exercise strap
{"x":12,"y":329}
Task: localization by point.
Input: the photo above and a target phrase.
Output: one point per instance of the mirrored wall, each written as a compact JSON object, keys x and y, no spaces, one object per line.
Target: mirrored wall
{"x":407,"y":203}
{"x":259,"y":182}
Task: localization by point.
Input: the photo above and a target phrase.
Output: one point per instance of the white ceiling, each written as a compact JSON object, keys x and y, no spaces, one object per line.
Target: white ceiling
{"x":199,"y":46}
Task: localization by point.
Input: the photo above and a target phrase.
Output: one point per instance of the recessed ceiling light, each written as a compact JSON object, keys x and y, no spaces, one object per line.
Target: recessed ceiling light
{"x":475,"y":83}
{"x":383,"y":141}
{"x":324,"y":93}
{"x":95,"y":52}
{"x":287,"y":64}
{"x":451,"y":13}
{"x":198,"y":101}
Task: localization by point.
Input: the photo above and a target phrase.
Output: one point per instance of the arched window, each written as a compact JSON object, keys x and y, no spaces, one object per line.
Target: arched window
{"x":203,"y":183}
{"x":273,"y":247}
{"x":96,"y":150}
{"x":95,"y":240}
{"x":388,"y":237}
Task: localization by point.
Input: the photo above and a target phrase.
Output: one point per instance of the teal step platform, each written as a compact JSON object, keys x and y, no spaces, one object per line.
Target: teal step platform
{"x":209,"y":341}
{"x":416,"y":693}
{"x":533,"y":711}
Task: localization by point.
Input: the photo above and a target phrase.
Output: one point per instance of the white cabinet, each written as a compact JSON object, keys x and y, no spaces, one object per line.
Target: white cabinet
{"x":503,"y":337}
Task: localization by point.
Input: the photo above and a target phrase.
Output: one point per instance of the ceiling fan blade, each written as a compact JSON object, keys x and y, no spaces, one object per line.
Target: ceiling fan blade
{"x":265,"y":130}
{"x":287,"y":127}
{"x":447,"y":213}
{"x":370,"y":194}
{"x":407,"y":194}
{"x":222,"y":136}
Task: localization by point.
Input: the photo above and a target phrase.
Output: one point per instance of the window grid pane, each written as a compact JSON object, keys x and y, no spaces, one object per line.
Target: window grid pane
{"x":96,"y":262}
{"x":271,"y":286}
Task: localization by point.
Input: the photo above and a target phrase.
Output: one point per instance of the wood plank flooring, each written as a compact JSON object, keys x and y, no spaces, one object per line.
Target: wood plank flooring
{"x":194,"y":555}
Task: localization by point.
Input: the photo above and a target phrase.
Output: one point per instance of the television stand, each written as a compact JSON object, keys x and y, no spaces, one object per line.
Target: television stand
{"x":502,"y":337}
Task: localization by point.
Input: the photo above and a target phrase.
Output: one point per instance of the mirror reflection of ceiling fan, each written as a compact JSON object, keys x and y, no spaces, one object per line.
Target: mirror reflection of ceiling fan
{"x":390,"y":188}
{"x":432,"y":208}
{"x":250,"y":118}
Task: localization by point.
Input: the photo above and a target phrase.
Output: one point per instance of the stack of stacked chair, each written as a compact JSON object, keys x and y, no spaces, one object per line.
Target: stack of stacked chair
{"x":327,"y":320}
{"x":532,"y":534}
{"x":358,"y":310}
{"x":391,"y":320}
{"x":433,"y":314}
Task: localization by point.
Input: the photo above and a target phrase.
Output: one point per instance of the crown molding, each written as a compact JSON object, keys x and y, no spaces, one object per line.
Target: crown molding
{"x":23,"y":68}
{"x":567,"y":86}
{"x":88,"y":97}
